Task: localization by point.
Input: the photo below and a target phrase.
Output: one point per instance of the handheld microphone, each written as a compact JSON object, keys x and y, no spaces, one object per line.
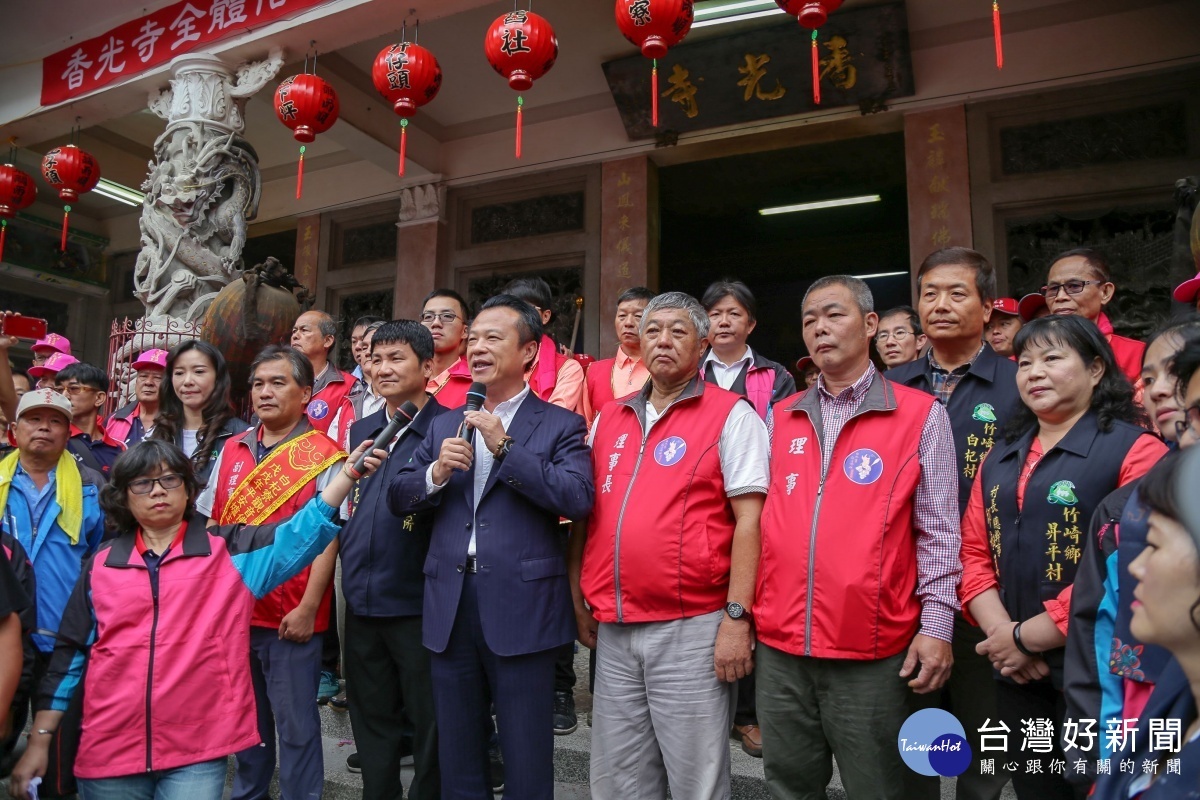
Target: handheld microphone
{"x":475,"y":397}
{"x":400,"y":420}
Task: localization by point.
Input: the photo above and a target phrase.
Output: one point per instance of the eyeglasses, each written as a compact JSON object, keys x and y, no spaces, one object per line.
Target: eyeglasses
{"x":1190,"y":421}
{"x":146,"y":485}
{"x":446,"y":317}
{"x":899,"y":336}
{"x":1050,"y":290}
{"x":74,"y":389}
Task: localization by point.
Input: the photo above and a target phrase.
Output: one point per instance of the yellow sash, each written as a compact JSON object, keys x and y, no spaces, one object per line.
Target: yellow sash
{"x":276,"y":478}
{"x":68,"y":491}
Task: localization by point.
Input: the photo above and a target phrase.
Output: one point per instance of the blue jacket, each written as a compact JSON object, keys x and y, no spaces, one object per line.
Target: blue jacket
{"x":524,"y":598}
{"x":382,"y":553}
{"x":56,"y":562}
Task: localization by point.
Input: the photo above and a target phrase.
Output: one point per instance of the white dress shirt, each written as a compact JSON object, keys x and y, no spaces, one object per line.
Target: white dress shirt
{"x":726,"y":375}
{"x":483,"y":457}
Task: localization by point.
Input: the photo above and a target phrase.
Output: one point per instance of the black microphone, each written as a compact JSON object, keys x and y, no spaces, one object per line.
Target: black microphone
{"x":475,"y":397}
{"x":400,"y":420}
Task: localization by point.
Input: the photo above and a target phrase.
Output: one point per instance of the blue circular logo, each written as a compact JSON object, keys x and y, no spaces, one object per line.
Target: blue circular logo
{"x":864,"y":466}
{"x":668,"y":452}
{"x":932,"y":742}
{"x":317,"y":409}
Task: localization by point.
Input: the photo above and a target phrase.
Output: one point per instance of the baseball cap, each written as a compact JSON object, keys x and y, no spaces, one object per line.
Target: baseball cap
{"x":52,"y":343}
{"x":1031,"y":304}
{"x":53,"y":365}
{"x":44,"y":398}
{"x":151,"y":359}
{"x":804,"y":363}
{"x":1006,"y":305}
{"x":1186,"y":292}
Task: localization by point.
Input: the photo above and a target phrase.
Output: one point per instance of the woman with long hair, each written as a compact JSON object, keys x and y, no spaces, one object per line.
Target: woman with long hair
{"x":195,"y":410}
{"x":160,"y":619}
{"x":1077,"y":437}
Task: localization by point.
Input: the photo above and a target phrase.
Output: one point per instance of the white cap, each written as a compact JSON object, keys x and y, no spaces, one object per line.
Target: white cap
{"x":44,"y":398}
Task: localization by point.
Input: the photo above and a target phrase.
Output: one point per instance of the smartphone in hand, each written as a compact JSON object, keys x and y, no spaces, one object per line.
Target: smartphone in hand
{"x":21,"y":327}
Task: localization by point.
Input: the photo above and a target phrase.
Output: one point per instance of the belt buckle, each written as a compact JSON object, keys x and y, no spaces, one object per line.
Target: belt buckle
{"x":472,"y":564}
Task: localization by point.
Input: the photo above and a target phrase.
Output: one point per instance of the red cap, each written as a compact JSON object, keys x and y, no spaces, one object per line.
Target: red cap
{"x":804,"y":363}
{"x":53,"y":365}
{"x":53,"y":343}
{"x":1006,"y":305}
{"x":1030,"y":305}
{"x":151,"y":359}
{"x":1186,"y":292}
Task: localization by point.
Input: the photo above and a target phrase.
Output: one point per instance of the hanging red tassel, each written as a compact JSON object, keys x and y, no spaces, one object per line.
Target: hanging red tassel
{"x":3,"y":236}
{"x":816,"y":67}
{"x":66,"y":215}
{"x":520,"y":108}
{"x":654,"y":91}
{"x":403,"y":144}
{"x":996,"y":31}
{"x":300,"y":174}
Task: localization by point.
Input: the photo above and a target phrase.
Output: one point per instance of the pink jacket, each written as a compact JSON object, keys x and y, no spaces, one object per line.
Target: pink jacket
{"x":168,"y":672}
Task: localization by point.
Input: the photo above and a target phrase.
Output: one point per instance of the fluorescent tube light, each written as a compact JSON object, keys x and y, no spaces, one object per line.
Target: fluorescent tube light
{"x":881,"y":275}
{"x":701,"y":23}
{"x":717,"y":8}
{"x":115,"y":191}
{"x":842,"y":201}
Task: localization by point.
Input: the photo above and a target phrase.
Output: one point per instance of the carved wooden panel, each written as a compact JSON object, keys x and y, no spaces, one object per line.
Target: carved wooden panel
{"x":566,"y":284}
{"x":535,"y":216}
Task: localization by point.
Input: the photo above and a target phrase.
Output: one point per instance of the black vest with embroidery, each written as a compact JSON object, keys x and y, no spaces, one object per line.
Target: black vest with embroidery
{"x":1037,"y":548}
{"x":985,"y":398}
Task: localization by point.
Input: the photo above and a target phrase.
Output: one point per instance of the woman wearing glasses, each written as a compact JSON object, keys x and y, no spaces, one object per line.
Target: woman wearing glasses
{"x":1080,"y":283}
{"x":1078,"y":437}
{"x":164,"y":610}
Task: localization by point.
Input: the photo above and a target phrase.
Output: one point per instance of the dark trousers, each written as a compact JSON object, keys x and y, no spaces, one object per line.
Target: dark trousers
{"x":331,"y":648}
{"x":970,"y":695}
{"x":387,"y":676}
{"x":564,"y":669}
{"x":285,"y":676}
{"x":815,"y":709}
{"x":746,"y":712}
{"x":1033,"y":701}
{"x":521,"y":687}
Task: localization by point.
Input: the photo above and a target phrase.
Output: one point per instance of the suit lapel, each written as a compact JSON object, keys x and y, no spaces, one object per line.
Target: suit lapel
{"x":528,"y":417}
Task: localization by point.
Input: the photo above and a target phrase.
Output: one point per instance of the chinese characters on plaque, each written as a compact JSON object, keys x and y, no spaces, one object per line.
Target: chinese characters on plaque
{"x":864,"y":55}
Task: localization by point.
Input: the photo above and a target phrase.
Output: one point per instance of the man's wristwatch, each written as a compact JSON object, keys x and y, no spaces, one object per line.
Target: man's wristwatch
{"x":737,"y":611}
{"x":502,"y":447}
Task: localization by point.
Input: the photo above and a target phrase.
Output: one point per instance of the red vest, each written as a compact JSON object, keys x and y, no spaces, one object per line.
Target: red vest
{"x":597,"y":382}
{"x":837,"y":576}
{"x":661,"y":532}
{"x":325,"y":403}
{"x":237,"y":461}
{"x":453,"y":393}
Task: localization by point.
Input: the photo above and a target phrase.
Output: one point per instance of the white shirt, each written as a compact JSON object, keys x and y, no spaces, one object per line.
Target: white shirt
{"x":726,"y":375}
{"x":189,"y":441}
{"x":744,"y":448}
{"x":483,"y":457}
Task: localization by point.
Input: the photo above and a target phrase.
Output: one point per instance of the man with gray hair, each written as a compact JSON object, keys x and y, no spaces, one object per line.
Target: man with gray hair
{"x":663,"y":580}
{"x":863,"y":600}
{"x":314,"y":335}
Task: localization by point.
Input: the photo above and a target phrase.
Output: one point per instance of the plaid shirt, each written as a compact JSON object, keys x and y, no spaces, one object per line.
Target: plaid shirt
{"x":935,"y":502}
{"x":946,"y":381}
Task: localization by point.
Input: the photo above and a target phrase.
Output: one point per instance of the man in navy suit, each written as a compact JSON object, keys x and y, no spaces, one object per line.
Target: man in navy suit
{"x":497,"y":601}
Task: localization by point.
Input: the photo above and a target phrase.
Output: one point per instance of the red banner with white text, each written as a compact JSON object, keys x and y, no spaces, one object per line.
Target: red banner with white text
{"x":144,"y":43}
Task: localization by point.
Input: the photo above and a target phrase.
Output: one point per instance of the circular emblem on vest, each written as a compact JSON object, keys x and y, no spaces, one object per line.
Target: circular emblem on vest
{"x":317,"y":409}
{"x":669,"y":451}
{"x":1062,"y":493}
{"x":864,"y":467}
{"x":984,"y":412}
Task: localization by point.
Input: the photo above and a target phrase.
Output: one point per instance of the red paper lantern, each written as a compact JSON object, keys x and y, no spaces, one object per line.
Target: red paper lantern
{"x":812,"y":14}
{"x":408,"y":76}
{"x":17,"y":191}
{"x":654,"y":26}
{"x":308,"y":105}
{"x":72,"y":172}
{"x":522,"y":47}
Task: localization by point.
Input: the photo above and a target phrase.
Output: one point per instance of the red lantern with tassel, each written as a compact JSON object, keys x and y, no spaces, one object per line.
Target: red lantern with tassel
{"x":408,"y":76}
{"x":309,"y":106}
{"x":655,"y":26}
{"x":522,"y":47}
{"x":812,"y":14}
{"x":17,"y":191}
{"x":72,"y":172}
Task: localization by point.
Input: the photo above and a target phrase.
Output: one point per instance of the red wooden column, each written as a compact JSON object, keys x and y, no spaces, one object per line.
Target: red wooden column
{"x":628,"y":237}
{"x":417,"y":236}
{"x":939,"y":182}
